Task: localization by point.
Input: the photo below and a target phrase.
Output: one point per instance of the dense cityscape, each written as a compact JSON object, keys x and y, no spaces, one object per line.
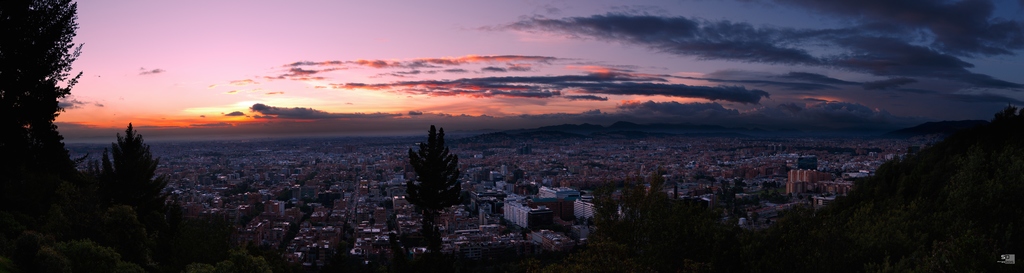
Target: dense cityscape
{"x":313,"y":198}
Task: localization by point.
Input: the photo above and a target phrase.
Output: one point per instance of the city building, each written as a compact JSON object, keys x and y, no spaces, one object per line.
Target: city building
{"x":583,"y":209}
{"x":801,"y":181}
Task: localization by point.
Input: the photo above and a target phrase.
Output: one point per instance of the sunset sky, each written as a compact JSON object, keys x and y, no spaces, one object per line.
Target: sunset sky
{"x":240,"y":69}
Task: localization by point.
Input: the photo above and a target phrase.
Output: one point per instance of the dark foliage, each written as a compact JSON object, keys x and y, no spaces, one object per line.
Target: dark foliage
{"x":436,"y":186}
{"x":129,"y":179}
{"x":193,"y":241}
{"x":36,"y":53}
{"x":657,"y":234}
{"x":953,"y":207}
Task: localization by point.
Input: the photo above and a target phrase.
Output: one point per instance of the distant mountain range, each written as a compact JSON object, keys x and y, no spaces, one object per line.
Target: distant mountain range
{"x":935,"y":128}
{"x":633,"y":128}
{"x":624,"y":130}
{"x":629,"y":126}
{"x":629,"y":130}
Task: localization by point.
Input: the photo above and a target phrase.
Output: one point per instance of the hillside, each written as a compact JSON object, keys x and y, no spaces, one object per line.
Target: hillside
{"x":953,"y":207}
{"x":932,"y":128}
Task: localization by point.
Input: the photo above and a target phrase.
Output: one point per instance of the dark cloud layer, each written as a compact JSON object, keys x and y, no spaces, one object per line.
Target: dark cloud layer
{"x":678,"y":35}
{"x":812,"y":116}
{"x":610,"y":83}
{"x":235,"y":114}
{"x":984,"y":98}
{"x":585,"y":97}
{"x":726,"y":93}
{"x":881,"y":47}
{"x":70,"y":104}
{"x":959,"y":27}
{"x":888,"y":83}
{"x":732,"y":77}
{"x":493,"y":69}
{"x":813,"y":77}
{"x":672,"y":108}
{"x":885,"y":56}
{"x":267,"y":111}
{"x":520,"y":67}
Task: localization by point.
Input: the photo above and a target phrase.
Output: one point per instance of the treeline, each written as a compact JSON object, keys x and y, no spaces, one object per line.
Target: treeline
{"x":114,"y":215}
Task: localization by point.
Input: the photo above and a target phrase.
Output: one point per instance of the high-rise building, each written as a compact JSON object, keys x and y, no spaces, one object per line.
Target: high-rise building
{"x":516,"y":210}
{"x":583,"y":209}
{"x":803,"y":180}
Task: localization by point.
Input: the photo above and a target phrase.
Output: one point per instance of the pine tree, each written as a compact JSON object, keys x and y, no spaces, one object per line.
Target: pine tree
{"x":129,"y":179}
{"x":436,"y":185}
{"x":36,"y":52}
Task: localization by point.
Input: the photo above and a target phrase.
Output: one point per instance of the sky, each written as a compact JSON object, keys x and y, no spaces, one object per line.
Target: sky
{"x":255,"y":69}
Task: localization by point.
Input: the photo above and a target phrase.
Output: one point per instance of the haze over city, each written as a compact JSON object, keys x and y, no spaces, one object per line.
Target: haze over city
{"x":199,"y":69}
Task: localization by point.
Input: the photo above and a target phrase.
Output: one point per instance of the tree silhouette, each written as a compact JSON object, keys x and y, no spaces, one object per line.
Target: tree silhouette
{"x":436,"y":186}
{"x":129,"y":179}
{"x":36,"y":53}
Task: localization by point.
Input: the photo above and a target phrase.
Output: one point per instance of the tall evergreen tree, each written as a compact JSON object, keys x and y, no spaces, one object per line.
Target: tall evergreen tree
{"x":130,"y":179}
{"x":436,"y":185}
{"x":36,"y":53}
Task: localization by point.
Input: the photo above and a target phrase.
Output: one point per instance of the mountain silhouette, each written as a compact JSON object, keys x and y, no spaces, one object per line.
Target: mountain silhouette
{"x":944,"y":128}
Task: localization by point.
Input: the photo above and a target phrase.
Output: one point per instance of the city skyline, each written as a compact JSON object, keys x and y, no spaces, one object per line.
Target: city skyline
{"x":186,"y":70}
